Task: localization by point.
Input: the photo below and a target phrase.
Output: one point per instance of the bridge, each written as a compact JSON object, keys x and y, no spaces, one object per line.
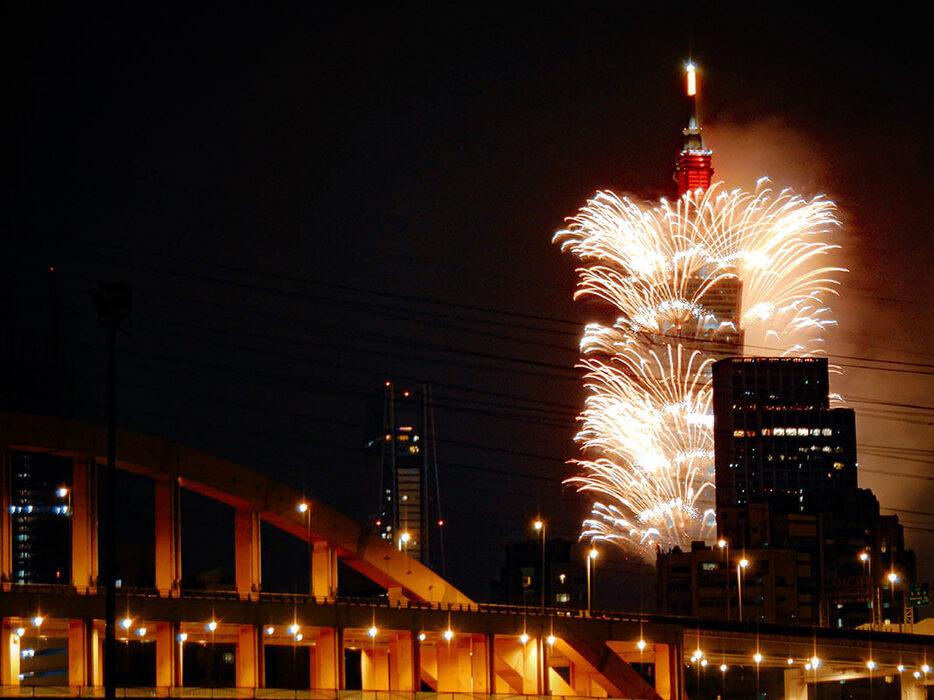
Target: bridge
{"x":423,"y":635}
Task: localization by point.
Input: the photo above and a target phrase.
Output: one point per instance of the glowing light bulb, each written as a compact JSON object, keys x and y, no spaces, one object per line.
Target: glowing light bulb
{"x":372,"y":632}
{"x":524,"y":638}
{"x":757,"y":657}
{"x":126,"y":623}
{"x":182,"y":637}
{"x":551,"y":639}
{"x":640,"y":645}
{"x":270,"y":630}
{"x":293,"y":629}
{"x":724,"y":667}
{"x":211,"y":626}
{"x":37,"y":621}
{"x":448,"y":634}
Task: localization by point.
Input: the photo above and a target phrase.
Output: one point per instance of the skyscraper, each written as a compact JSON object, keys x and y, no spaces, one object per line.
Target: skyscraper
{"x":776,"y":439}
{"x":409,"y":514}
{"x":815,"y":547}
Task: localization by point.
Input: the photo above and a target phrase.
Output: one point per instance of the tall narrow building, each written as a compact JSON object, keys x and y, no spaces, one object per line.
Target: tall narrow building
{"x":409,"y":513}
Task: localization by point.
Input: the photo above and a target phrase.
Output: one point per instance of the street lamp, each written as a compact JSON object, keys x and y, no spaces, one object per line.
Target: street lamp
{"x":893,"y":579}
{"x":539,"y":526}
{"x":866,"y":558}
{"x":113,"y":301}
{"x":591,"y":563}
{"x":725,"y":548}
{"x":304,"y":509}
{"x":740,"y":568}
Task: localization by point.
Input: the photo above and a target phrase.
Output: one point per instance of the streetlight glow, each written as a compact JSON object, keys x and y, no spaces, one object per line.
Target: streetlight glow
{"x":126,"y":623}
{"x":302,"y":507}
{"x":37,"y":621}
{"x":372,"y":632}
{"x":211,"y":626}
{"x":640,"y":645}
{"x":448,"y":634}
{"x":524,"y":638}
{"x":757,"y":657}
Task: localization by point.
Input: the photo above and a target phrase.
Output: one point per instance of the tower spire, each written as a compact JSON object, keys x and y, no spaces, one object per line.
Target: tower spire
{"x":693,"y":169}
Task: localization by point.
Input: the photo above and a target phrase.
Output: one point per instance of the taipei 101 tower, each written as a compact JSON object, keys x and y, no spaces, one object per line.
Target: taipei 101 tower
{"x":693,"y":170}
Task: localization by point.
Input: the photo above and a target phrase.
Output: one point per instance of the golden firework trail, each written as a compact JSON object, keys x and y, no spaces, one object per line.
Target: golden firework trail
{"x":689,"y":281}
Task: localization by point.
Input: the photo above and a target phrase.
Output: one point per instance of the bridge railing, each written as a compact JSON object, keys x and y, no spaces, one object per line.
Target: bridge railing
{"x":51,"y":691}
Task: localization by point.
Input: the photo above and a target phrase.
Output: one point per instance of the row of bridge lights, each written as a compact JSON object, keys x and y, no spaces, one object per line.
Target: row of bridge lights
{"x":811,"y":664}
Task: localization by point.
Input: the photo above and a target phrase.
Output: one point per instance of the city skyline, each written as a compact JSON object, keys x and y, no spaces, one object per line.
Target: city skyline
{"x":307,"y":206}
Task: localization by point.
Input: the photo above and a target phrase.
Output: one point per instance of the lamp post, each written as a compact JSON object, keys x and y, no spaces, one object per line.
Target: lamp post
{"x":113,"y":301}
{"x":893,"y":579}
{"x":740,"y":568}
{"x":539,"y":527}
{"x":725,"y":548}
{"x":591,"y":564}
{"x":866,"y":558}
{"x":305,"y":510}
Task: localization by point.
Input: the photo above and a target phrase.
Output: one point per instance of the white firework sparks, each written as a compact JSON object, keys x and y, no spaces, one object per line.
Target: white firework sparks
{"x":689,"y":282}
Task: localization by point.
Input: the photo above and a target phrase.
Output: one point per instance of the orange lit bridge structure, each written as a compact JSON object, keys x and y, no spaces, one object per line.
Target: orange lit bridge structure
{"x":423,"y":635}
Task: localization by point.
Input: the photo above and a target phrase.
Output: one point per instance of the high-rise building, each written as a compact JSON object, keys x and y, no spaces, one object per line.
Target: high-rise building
{"x":799,"y":542}
{"x":776,"y":439}
{"x":409,"y":514}
{"x":40,"y":518}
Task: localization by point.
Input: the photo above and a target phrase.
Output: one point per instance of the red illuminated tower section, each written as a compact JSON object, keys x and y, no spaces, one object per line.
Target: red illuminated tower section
{"x":693,"y":170}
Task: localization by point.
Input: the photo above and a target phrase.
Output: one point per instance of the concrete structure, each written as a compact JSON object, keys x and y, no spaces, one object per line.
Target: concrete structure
{"x":394,"y":642}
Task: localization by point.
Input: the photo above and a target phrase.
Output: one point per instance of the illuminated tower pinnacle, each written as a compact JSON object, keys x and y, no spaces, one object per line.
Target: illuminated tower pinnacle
{"x":693,"y":170}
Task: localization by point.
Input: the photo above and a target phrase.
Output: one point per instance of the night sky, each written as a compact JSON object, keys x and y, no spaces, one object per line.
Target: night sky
{"x":310,"y":202}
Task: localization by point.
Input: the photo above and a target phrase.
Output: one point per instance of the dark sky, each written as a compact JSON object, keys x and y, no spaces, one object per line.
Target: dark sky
{"x":308,"y":202}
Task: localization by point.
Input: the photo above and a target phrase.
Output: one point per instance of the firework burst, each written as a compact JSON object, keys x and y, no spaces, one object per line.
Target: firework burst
{"x":689,"y":282}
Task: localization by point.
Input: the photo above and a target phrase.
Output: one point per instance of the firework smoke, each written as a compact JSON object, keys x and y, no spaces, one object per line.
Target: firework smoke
{"x":691,"y":281}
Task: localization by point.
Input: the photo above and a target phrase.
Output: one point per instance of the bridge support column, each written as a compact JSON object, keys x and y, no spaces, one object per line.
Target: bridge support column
{"x":401,"y":658}
{"x":168,"y":672}
{"x":6,"y":522}
{"x":323,"y":570}
{"x":248,"y":554}
{"x":168,"y":537}
{"x":374,"y":669}
{"x":665,"y":685}
{"x":459,"y":670}
{"x":95,"y":656}
{"x":9,"y":654}
{"x":247,"y":665}
{"x":84,"y":565}
{"x":326,"y":672}
{"x":912,"y":688}
{"x":796,"y":685}
{"x":78,"y":652}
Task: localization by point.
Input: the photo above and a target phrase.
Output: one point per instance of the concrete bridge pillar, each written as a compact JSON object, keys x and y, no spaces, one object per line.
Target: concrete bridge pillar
{"x":374,"y":668}
{"x":78,"y":665}
{"x":323,"y":570}
{"x":326,"y":660}
{"x":6,"y":523}
{"x":168,"y":537}
{"x":248,"y":554}
{"x":912,"y":688}
{"x":796,"y":685}
{"x":401,"y":662}
{"x":168,"y":670}
{"x":247,"y":661}
{"x":84,"y":565}
{"x":9,"y":654}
